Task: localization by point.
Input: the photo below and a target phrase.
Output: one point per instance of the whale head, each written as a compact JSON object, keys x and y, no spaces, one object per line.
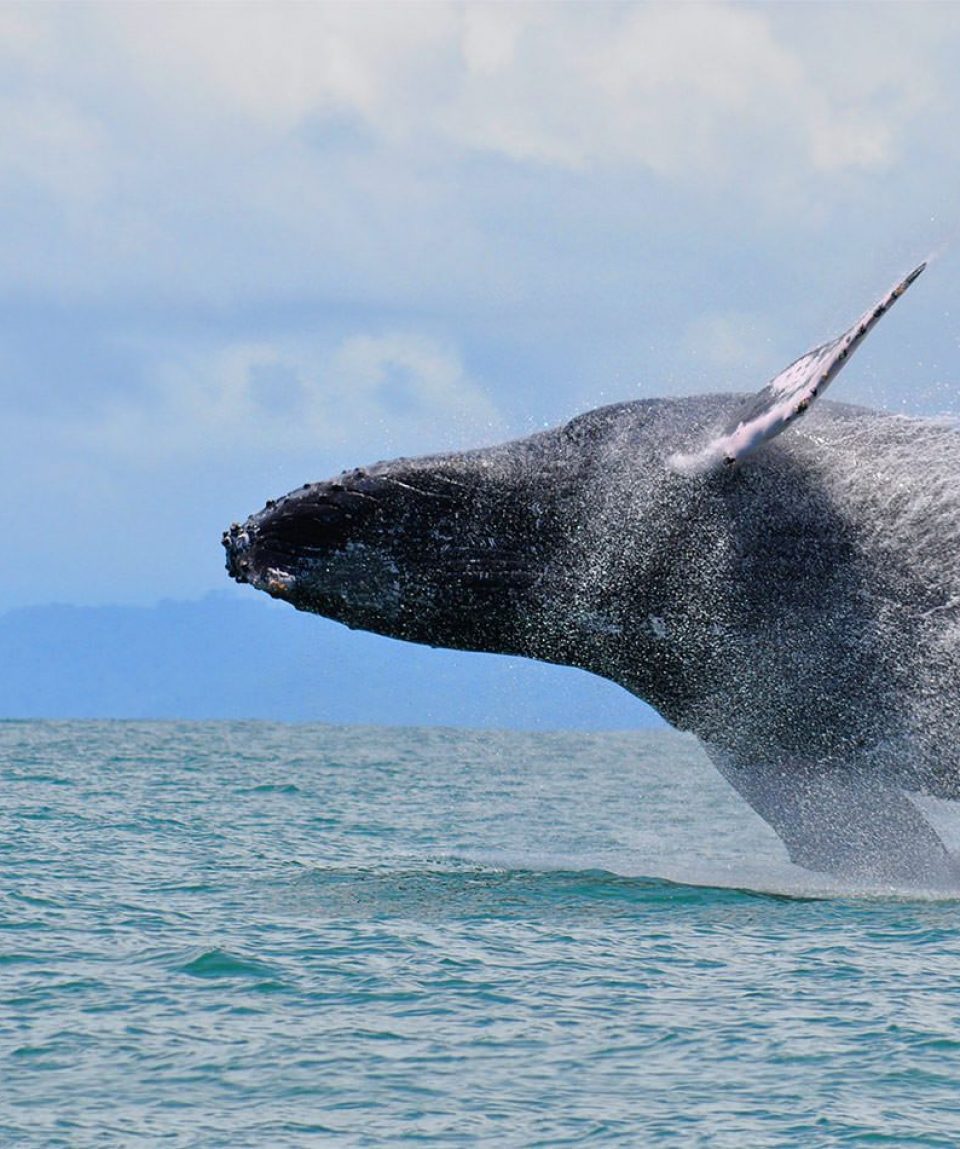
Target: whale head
{"x":581,"y":546}
{"x":576,"y":545}
{"x":445,"y":550}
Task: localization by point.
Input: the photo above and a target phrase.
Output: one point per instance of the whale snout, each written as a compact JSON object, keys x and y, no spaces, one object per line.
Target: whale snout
{"x":444,"y":546}
{"x":236,"y":542}
{"x":298,"y":539}
{"x":255,"y":560}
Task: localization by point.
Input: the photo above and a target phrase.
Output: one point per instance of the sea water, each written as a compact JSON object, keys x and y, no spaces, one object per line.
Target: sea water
{"x":257,"y":935}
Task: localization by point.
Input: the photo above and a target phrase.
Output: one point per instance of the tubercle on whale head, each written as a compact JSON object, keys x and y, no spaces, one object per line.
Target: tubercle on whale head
{"x":428,"y":550}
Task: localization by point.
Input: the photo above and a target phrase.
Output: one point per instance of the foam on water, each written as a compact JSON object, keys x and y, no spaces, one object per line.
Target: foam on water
{"x":233,"y":934}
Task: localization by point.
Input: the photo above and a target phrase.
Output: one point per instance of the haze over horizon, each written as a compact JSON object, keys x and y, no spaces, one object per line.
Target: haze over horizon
{"x":249,"y":246}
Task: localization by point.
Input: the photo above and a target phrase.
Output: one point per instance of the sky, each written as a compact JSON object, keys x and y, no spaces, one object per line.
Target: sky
{"x":246,"y":246}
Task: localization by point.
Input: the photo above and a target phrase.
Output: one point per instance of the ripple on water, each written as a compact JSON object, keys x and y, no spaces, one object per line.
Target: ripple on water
{"x":228,"y":935}
{"x":217,"y":963}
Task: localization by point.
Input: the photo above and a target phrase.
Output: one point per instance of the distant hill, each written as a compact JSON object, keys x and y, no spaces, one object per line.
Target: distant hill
{"x":231,"y":657}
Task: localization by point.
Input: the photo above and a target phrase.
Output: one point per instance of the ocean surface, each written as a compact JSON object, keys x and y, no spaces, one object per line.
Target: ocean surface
{"x":261,"y":935}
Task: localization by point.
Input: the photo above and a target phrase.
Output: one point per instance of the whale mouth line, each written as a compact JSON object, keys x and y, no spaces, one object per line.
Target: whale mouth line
{"x":275,"y":580}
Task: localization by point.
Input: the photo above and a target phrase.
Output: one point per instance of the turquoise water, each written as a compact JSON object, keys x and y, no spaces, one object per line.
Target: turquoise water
{"x":253,"y":935}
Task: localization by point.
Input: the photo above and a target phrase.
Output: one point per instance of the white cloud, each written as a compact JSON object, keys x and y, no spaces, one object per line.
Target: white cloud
{"x":387,"y":393}
{"x":226,"y":152}
{"x":673,"y":87}
{"x":676,"y":88}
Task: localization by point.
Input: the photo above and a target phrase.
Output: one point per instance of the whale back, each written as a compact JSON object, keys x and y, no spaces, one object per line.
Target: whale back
{"x":806,"y":601}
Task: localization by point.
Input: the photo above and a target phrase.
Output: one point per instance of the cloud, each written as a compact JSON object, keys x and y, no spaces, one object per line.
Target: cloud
{"x":218,"y":153}
{"x":678,"y":89}
{"x":124,"y":496}
{"x":399,"y":392}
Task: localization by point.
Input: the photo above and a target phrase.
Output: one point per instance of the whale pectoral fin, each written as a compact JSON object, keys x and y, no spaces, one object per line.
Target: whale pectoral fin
{"x":846,"y":822}
{"x":788,"y":395}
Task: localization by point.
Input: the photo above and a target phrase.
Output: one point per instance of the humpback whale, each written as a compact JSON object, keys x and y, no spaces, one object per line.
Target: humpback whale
{"x":775,"y":573}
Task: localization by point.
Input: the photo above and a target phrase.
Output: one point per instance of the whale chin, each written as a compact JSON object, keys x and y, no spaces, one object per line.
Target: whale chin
{"x":317,"y":548}
{"x":390,"y":549}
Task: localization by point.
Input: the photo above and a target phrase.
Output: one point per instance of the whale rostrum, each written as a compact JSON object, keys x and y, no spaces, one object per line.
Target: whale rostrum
{"x":792,"y":599}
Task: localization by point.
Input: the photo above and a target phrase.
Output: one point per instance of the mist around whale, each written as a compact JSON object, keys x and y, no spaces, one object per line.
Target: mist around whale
{"x":784,"y":588}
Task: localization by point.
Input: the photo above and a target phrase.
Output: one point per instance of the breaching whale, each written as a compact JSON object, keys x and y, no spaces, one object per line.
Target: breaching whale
{"x":792,"y":599}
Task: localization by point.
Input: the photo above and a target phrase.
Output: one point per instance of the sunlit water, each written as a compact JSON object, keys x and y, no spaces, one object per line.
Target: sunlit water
{"x":249,"y":935}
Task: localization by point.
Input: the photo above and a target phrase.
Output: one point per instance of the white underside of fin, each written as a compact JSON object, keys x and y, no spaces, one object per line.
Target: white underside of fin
{"x":788,"y":395}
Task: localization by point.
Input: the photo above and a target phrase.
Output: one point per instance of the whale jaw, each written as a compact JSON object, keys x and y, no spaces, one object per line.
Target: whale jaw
{"x":324,"y":548}
{"x":399,"y":549}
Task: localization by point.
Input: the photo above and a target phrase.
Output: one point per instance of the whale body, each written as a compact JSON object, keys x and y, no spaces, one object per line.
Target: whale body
{"x":792,"y":599}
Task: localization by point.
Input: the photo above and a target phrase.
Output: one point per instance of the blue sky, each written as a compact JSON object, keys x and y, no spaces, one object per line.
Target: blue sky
{"x":247,"y":246}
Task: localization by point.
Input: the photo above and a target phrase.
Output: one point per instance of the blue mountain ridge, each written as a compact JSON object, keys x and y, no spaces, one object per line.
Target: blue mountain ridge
{"x":228,"y":657}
